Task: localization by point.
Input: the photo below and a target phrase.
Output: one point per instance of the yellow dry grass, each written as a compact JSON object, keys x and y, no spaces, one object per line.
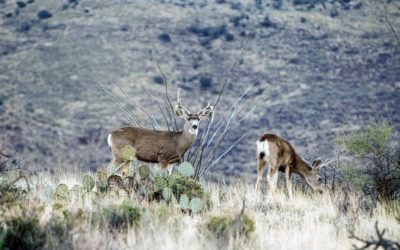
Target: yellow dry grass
{"x":308,"y":221}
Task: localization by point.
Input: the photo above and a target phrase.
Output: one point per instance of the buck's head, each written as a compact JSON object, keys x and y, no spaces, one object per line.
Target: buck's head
{"x":312,"y":177}
{"x":192,"y":119}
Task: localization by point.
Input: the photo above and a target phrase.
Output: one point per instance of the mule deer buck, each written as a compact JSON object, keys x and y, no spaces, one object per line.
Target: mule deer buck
{"x":281,"y":156}
{"x":162,"y":147}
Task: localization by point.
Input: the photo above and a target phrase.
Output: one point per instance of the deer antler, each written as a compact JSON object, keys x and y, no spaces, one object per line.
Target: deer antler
{"x":326,"y":163}
{"x":204,"y":109}
{"x":180,"y":104}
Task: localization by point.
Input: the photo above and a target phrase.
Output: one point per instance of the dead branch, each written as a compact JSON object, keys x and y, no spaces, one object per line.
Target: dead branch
{"x":395,"y":35}
{"x":376,"y":243}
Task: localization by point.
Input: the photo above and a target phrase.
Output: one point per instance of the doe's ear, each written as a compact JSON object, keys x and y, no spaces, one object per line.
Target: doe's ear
{"x":316,"y":164}
{"x":206,"y":112}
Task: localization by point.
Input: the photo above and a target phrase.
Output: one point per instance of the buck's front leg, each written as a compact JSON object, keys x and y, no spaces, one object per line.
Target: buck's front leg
{"x":164,"y":165}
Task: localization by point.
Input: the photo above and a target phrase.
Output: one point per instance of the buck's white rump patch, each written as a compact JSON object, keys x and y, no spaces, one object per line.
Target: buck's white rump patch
{"x":109,"y":141}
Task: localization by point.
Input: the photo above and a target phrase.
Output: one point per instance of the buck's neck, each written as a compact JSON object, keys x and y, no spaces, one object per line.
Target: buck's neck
{"x":186,"y":138}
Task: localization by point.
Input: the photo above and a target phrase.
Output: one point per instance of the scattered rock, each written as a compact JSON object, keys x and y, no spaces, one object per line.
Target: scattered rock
{"x":267,"y":23}
{"x":334,"y":13}
{"x":212,"y":32}
{"x":44,"y":14}
{"x":205,"y":82}
{"x":277,"y":4}
{"x":229,"y":37}
{"x":21,"y":4}
{"x":158,"y":79}
{"x":125,"y":27}
{"x":164,"y":38}
{"x":25,"y":26}
{"x":358,"y":5}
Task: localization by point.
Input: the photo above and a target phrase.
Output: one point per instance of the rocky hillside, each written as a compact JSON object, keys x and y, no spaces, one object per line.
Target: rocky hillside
{"x":315,"y":68}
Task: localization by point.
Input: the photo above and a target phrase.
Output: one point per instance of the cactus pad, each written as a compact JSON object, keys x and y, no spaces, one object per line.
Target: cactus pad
{"x":129,"y":183}
{"x":62,"y":192}
{"x":115,"y":182}
{"x":167,"y":194}
{"x":88,"y":183}
{"x":196,"y":205}
{"x":101,"y":182}
{"x":128,"y":153}
{"x":184,"y":202}
{"x":185,"y":169}
{"x":161,"y":183}
{"x":144,"y":172}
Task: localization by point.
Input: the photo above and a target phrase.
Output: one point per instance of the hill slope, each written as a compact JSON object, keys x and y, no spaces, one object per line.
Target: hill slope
{"x":314,"y":70}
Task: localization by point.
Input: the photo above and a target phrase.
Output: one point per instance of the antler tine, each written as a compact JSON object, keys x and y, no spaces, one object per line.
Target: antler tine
{"x":179,"y":98}
{"x":207,"y":107}
{"x":180,"y":103}
{"x":327,"y":162}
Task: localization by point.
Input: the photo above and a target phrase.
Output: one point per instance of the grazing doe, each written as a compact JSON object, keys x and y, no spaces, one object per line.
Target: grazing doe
{"x":163,"y":147}
{"x":281,"y":156}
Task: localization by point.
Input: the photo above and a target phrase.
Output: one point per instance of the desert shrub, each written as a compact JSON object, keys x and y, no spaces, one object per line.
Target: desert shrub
{"x":223,"y":226}
{"x":22,"y":233}
{"x":353,"y":174}
{"x":376,"y":162}
{"x":119,"y":217}
{"x":11,"y":193}
{"x":21,"y":229}
{"x":11,"y":171}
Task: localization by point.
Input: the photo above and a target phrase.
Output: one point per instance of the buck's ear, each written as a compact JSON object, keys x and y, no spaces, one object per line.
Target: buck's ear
{"x":316,"y":164}
{"x":206,"y":112}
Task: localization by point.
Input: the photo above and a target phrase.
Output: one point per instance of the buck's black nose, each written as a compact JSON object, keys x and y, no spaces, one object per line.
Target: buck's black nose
{"x":195,"y":126}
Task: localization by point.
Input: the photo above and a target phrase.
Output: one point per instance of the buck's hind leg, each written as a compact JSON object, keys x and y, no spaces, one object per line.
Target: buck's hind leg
{"x":260,"y":172}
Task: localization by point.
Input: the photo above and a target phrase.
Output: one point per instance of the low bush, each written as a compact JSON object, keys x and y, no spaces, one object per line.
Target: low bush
{"x":225,"y":225}
{"x":119,"y":217}
{"x":375,"y":164}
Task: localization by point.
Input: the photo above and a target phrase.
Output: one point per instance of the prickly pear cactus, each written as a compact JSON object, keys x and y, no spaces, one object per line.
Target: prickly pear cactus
{"x":167,"y":194}
{"x":161,"y":183}
{"x":129,"y":183}
{"x":61,"y":193}
{"x":88,"y":183}
{"x":184,"y":202}
{"x":76,"y":190}
{"x":102,"y":184}
{"x":144,"y":172}
{"x":128,"y":153}
{"x":115,"y":182}
{"x":185,"y":169}
{"x":196,"y":205}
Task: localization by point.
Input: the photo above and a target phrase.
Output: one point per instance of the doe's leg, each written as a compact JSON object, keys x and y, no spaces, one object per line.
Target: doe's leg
{"x":288,"y":174}
{"x":272,"y":180}
{"x":260,"y":173}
